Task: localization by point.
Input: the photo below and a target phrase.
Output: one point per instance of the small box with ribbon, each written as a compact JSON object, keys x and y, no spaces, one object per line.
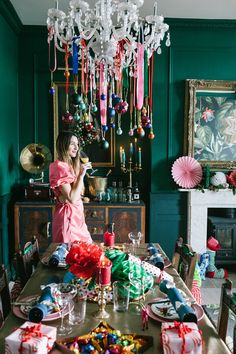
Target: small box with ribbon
{"x":31,"y":338}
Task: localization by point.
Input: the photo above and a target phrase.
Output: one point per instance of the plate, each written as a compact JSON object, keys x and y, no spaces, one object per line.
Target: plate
{"x":165,"y":312}
{"x":23,"y":310}
{"x":45,"y":261}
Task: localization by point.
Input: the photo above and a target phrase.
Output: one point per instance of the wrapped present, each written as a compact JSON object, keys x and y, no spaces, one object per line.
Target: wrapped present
{"x":31,"y":338}
{"x":181,"y":338}
{"x":151,"y":269}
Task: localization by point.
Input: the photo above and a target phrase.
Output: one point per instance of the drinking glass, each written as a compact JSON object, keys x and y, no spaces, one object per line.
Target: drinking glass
{"x":85,"y":159}
{"x":77,"y":315}
{"x":135,"y":306}
{"x":120,"y":296}
{"x":135,"y":239}
{"x":64,"y":328}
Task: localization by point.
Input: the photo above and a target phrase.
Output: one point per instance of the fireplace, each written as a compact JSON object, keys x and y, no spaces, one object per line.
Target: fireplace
{"x":198,"y":205}
{"x":224,"y":230}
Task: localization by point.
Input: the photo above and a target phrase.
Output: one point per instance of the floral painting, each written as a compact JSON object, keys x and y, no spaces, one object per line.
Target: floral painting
{"x":211,"y":122}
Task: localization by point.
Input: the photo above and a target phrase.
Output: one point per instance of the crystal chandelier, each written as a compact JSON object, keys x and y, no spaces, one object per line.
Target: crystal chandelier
{"x":105,"y":40}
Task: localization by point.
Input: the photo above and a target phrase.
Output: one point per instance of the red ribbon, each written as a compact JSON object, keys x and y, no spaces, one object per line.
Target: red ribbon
{"x":182,"y":329}
{"x":30,"y":332}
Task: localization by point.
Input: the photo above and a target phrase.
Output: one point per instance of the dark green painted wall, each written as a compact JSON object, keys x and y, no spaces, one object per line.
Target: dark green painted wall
{"x":199,"y":50}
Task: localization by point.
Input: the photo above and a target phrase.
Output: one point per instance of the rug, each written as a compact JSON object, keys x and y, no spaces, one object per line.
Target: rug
{"x":212,"y":312}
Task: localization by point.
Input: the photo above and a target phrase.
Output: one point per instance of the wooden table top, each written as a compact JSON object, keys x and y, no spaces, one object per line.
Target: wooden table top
{"x":125,"y":322}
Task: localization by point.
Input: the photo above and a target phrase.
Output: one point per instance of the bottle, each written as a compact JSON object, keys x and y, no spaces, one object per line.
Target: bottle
{"x":120,"y":192}
{"x":109,"y":236}
{"x":114,"y":196}
{"x":136,"y":193}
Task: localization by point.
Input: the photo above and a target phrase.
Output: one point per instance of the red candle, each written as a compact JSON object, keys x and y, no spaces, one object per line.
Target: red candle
{"x":104,"y":272}
{"x":109,"y":236}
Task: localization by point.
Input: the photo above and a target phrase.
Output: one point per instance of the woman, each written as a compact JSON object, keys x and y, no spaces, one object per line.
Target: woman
{"x":66,"y":177}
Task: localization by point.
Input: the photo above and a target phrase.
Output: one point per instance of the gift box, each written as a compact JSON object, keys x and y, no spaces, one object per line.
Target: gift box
{"x":181,"y":338}
{"x":31,"y":338}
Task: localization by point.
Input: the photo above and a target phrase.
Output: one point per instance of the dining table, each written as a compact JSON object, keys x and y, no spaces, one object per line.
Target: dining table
{"x":126,"y":322}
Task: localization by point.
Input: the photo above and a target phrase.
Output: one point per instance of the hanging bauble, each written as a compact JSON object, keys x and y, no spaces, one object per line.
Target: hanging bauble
{"x":119,"y":131}
{"x":76,"y":116}
{"x":104,"y":144}
{"x":89,"y":126}
{"x":86,"y":118}
{"x":141,"y":132}
{"x":82,"y":106}
{"x":145,"y":121}
{"x":149,"y":125}
{"x":103,"y":97}
{"x":76,"y":99}
{"x":94,"y":108}
{"x":115,"y":100}
{"x":52,"y":90}
{"x":131,"y":132}
{"x":67,"y":117}
{"x":113,"y":96}
{"x":104,"y":128}
{"x":112,"y":125}
{"x":144,"y":111}
{"x":111,"y":112}
{"x":121,"y":107}
{"x":151,"y":136}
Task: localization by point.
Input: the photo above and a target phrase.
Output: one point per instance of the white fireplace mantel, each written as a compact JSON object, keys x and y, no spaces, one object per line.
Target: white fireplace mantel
{"x":198,"y":204}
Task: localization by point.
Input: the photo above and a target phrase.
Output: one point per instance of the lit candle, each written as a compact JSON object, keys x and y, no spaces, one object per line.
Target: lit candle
{"x":104,"y":271}
{"x":121,"y":149}
{"x":131,"y":150}
{"x":123,"y":156}
{"x":139,"y":157}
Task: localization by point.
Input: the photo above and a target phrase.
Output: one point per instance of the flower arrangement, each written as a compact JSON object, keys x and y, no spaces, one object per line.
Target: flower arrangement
{"x":83,"y":259}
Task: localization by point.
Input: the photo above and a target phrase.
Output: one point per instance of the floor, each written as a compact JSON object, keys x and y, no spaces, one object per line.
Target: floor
{"x":211,"y":287}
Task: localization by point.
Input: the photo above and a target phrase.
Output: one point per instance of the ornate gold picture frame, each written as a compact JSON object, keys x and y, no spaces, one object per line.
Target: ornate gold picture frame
{"x":210,"y":122}
{"x":98,"y":156}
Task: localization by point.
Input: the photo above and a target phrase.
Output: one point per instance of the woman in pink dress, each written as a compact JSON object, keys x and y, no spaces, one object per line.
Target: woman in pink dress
{"x":66,"y":177}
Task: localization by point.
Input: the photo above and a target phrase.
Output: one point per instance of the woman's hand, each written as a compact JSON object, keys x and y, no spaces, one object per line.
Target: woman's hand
{"x":84,"y":167}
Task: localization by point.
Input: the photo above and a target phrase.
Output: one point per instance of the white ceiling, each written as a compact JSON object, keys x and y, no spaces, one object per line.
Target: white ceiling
{"x":34,"y":12}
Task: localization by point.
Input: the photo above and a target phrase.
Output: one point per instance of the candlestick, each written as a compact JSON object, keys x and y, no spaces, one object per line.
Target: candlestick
{"x":104,"y":272}
{"x":109,"y":236}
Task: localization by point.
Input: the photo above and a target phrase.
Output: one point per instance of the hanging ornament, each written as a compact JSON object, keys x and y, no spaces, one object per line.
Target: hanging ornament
{"x":119,"y":131}
{"x":104,"y":144}
{"x":67,"y":117}
{"x":111,"y":112}
{"x":131,"y":132}
{"x":151,"y":135}
{"x":76,"y":99}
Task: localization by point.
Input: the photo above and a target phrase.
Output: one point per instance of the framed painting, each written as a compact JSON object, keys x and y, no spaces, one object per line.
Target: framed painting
{"x":210,"y":123}
{"x":98,"y":156}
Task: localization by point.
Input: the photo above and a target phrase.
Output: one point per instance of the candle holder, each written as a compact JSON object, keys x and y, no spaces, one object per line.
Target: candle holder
{"x":130,"y":168}
{"x":102,"y":313}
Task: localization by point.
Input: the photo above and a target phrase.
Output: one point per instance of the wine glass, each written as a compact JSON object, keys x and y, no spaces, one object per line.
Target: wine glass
{"x":135,"y":238}
{"x":85,"y":159}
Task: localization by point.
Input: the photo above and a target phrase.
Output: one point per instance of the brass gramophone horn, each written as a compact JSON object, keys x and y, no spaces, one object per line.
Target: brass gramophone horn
{"x":35,"y":158}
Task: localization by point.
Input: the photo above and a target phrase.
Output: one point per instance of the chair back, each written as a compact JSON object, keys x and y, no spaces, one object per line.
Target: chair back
{"x":227,"y":302}
{"x":184,"y":261}
{"x":4,"y":294}
{"x":27,"y":260}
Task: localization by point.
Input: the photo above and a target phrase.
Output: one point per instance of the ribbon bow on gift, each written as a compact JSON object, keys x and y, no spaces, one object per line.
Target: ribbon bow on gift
{"x":30,"y":332}
{"x":182,"y":329}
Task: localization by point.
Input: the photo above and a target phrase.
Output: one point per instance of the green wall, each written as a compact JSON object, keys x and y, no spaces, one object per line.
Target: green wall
{"x":200,"y":49}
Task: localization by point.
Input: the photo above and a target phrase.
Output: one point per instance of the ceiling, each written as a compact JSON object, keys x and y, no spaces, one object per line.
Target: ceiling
{"x":34,"y":12}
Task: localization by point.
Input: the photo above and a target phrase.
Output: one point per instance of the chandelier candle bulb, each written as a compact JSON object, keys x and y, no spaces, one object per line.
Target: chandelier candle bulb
{"x":131,"y":150}
{"x":104,"y":272}
{"x":139,"y":157}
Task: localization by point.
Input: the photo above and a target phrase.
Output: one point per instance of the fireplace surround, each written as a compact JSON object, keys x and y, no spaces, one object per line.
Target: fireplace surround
{"x":197,"y":209}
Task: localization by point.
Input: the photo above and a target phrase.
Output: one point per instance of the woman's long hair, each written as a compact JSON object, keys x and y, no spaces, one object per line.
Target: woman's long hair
{"x":62,"y":146}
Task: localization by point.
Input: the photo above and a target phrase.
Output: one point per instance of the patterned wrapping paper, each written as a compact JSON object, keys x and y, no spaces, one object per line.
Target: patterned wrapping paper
{"x":181,"y":338}
{"x":31,"y":338}
{"x":150,"y":268}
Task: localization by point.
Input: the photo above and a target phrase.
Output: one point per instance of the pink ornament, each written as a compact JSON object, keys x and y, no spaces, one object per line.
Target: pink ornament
{"x":145,"y":121}
{"x":121,"y":107}
{"x":131,"y":132}
{"x":187,"y":172}
{"x":67,"y":117}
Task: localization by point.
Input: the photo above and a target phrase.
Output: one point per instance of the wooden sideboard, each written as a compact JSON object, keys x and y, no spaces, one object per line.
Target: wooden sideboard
{"x":35,"y":218}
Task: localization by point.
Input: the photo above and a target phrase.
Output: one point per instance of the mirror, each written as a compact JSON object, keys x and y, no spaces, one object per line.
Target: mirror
{"x":98,"y":156}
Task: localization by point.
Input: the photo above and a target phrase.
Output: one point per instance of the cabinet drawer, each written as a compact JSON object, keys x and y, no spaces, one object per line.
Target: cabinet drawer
{"x":96,"y":214}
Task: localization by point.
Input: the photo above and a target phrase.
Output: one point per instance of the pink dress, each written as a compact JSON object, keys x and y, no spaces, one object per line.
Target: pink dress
{"x":68,"y":222}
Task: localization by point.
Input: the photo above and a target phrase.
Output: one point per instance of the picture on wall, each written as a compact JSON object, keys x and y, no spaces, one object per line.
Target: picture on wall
{"x":210,"y":122}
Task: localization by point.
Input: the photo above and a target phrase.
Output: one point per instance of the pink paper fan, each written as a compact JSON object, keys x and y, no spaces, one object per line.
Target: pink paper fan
{"x":186,"y":172}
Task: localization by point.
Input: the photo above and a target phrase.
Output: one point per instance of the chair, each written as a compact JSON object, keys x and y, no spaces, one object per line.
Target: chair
{"x":4,"y":294}
{"x":27,"y":260}
{"x":184,"y":261}
{"x":227,"y":302}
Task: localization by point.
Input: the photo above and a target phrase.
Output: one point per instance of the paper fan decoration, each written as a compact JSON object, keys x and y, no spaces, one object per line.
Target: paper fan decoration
{"x":186,"y":172}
